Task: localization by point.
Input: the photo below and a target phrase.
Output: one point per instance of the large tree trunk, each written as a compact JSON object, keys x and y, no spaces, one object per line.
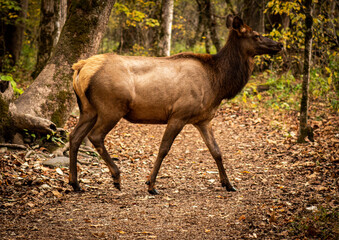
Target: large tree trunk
{"x":253,"y":14}
{"x":51,"y":97}
{"x":304,"y":129}
{"x":200,"y":27}
{"x":212,"y":25}
{"x":207,"y":26}
{"x":52,"y":19}
{"x":13,"y":33}
{"x":166,"y":28}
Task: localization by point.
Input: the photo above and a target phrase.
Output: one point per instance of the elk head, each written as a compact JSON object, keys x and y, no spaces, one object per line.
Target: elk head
{"x":251,"y":42}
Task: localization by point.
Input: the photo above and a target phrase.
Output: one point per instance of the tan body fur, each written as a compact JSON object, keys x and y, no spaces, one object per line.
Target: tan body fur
{"x":152,"y":90}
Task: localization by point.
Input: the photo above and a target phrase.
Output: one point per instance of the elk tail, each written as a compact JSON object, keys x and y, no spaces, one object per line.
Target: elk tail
{"x":79,"y":85}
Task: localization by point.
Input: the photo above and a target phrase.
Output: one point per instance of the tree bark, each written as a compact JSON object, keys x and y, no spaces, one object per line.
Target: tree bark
{"x":304,"y":129}
{"x":13,"y":33}
{"x":207,"y":26}
{"x":230,"y":7}
{"x":52,"y":19}
{"x":51,"y":97}
{"x":212,"y":25}
{"x":199,"y":29}
{"x":253,"y":14}
{"x":166,"y":28}
{"x":6,"y":123}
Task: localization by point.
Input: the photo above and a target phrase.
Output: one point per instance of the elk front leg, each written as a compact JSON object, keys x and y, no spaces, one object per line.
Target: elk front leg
{"x":206,"y":132}
{"x":172,"y":130}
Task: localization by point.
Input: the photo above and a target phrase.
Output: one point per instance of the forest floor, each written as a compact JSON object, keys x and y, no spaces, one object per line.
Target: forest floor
{"x":285,"y":190}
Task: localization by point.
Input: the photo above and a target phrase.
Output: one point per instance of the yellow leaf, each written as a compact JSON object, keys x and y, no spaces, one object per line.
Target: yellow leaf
{"x":329,"y":80}
{"x":207,"y":230}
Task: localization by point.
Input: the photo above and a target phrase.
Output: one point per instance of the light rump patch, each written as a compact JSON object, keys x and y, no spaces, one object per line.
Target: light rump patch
{"x":84,"y":70}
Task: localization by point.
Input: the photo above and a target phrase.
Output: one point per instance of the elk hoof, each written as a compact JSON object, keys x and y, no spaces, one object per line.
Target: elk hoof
{"x":76,"y":187}
{"x":153,"y":191}
{"x":117,"y":186}
{"x":229,"y":188}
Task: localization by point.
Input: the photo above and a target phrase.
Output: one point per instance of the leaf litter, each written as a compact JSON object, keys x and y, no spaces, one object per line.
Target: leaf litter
{"x":285,"y":190}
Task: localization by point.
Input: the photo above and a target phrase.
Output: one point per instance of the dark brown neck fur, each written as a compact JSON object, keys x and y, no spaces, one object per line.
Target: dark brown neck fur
{"x":233,"y":67}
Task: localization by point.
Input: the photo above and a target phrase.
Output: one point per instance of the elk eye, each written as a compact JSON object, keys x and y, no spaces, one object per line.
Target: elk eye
{"x":257,"y":36}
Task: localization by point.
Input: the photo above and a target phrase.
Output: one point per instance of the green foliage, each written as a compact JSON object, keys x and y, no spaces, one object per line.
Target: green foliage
{"x":197,"y":48}
{"x":283,"y":91}
{"x":55,"y":138}
{"x":321,"y":224}
{"x":323,"y":87}
{"x":134,"y":17}
{"x":8,"y":11}
{"x":292,"y":34}
{"x":50,"y":141}
{"x":9,"y":78}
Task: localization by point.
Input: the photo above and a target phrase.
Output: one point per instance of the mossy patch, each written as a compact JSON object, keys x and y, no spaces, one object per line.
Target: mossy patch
{"x":59,"y":115}
{"x":6,"y":123}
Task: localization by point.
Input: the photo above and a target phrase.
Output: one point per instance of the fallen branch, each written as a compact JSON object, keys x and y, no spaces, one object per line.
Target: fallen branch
{"x":15,"y":146}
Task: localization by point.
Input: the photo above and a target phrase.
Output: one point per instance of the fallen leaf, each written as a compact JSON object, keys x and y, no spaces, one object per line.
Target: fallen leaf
{"x":57,"y":193}
{"x":59,"y":171}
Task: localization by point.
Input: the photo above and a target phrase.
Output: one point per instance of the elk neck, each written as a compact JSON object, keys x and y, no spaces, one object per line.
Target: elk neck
{"x":232,"y":67}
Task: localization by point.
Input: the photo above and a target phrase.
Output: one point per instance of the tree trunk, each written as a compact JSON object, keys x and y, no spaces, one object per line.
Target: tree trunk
{"x":6,"y":123}
{"x":50,"y":98}
{"x":166,"y":28}
{"x":253,"y":14}
{"x":52,"y":19}
{"x":199,"y":29}
{"x":304,"y":129}
{"x":212,"y":25}
{"x":230,"y":7}
{"x":13,"y":33}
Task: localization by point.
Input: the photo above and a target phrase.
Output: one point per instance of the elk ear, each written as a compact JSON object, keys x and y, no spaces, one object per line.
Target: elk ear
{"x":229,"y":21}
{"x":237,"y":23}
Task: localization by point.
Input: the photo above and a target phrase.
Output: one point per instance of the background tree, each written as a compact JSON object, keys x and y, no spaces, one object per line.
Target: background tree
{"x":136,"y":27}
{"x":52,"y":19}
{"x":304,"y":129}
{"x":166,"y":28}
{"x":207,"y":26}
{"x":49,"y":100}
{"x":13,"y":15}
{"x":133,"y":29}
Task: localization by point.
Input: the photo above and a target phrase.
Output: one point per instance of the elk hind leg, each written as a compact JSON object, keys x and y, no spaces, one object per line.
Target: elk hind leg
{"x":97,"y":136}
{"x":85,"y":124}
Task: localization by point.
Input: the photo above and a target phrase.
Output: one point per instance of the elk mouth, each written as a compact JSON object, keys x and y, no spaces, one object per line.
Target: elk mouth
{"x":278,"y":48}
{"x":272,"y":49}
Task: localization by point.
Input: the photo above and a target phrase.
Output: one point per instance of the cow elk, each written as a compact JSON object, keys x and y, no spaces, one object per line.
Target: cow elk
{"x":185,"y":88}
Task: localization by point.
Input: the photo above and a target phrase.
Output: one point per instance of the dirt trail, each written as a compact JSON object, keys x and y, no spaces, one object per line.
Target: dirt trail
{"x":279,"y":182}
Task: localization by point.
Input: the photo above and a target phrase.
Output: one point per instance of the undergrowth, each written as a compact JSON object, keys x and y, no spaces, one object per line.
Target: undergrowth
{"x":283,"y":92}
